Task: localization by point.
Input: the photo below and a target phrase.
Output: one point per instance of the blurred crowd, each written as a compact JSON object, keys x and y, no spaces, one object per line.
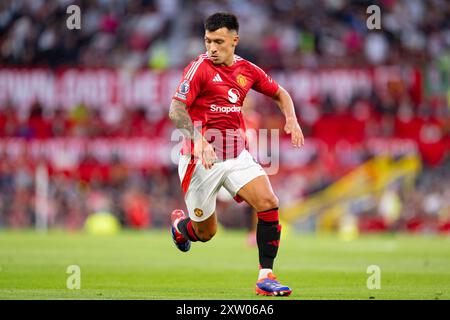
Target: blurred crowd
{"x":144,"y":198}
{"x":277,"y":35}
{"x":141,"y":197}
{"x":422,"y":207}
{"x":391,"y":114}
{"x":138,"y":198}
{"x":80,"y":121}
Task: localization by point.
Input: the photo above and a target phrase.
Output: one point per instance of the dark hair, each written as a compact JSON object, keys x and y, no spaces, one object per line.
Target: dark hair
{"x":222,"y":19}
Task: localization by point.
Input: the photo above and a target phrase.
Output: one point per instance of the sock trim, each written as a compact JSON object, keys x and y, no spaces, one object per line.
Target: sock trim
{"x":268,"y":215}
{"x":191,"y":232}
{"x":268,"y":210}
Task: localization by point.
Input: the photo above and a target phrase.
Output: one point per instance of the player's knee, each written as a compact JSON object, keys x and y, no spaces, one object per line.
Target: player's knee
{"x":268,"y":202}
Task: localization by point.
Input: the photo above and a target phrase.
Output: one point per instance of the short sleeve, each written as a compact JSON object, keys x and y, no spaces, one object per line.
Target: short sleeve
{"x":263,"y":82}
{"x":190,"y":84}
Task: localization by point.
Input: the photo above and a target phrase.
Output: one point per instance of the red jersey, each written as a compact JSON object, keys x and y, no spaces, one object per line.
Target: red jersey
{"x":214,"y":96}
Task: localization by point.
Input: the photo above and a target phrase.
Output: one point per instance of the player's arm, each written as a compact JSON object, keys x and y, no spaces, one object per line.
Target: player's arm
{"x":286,"y":105}
{"x":181,"y":119}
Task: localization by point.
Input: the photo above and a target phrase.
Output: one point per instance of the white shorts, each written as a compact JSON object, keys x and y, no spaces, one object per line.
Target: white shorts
{"x":201,"y":190}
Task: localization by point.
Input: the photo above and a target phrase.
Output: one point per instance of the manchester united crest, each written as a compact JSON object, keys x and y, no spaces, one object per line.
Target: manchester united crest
{"x":242,"y":80}
{"x":198,"y":212}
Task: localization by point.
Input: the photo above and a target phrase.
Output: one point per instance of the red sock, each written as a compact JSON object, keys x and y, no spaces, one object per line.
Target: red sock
{"x":186,"y":228}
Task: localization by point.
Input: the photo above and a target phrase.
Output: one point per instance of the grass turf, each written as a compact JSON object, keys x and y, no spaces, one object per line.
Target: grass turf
{"x":146,"y":265}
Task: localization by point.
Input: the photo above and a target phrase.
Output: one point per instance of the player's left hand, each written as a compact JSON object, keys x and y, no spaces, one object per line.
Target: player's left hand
{"x":293,"y":128}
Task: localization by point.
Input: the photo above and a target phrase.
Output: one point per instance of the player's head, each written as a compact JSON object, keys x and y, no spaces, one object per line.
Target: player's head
{"x":221,"y":37}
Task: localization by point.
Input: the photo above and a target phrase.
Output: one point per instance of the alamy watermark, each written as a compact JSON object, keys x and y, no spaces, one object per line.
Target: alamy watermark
{"x":262,"y":144}
{"x":74,"y":280}
{"x":374,"y":20}
{"x":374,"y":280}
{"x":74,"y":20}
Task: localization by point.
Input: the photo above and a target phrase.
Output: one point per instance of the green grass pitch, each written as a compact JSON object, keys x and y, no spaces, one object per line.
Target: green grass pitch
{"x":146,"y":265}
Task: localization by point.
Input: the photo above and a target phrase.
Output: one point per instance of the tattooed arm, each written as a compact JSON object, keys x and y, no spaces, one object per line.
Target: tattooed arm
{"x":182,"y":120}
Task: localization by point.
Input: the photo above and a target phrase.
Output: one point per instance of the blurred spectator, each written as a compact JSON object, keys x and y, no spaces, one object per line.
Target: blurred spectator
{"x":136,"y":206}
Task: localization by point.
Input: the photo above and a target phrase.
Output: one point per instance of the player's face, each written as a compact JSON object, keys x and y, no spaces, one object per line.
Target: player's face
{"x":221,"y":45}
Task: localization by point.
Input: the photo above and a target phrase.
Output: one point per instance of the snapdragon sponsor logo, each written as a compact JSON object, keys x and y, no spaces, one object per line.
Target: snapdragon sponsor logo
{"x":233,"y":95}
{"x":225,"y":109}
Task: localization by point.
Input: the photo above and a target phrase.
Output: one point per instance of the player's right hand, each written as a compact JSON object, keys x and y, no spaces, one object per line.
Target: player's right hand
{"x":205,"y":152}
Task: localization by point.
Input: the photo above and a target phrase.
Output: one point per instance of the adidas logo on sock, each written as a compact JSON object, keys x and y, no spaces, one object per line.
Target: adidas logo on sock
{"x":217,"y":78}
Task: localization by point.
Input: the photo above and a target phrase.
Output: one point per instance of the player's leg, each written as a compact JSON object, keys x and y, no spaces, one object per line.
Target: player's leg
{"x":259,"y":194}
{"x":249,"y":182}
{"x":200,"y":187}
{"x":199,"y":231}
{"x":186,"y":230}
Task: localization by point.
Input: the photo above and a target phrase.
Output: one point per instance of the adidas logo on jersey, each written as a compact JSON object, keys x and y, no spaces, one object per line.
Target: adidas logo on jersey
{"x":217,"y":78}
